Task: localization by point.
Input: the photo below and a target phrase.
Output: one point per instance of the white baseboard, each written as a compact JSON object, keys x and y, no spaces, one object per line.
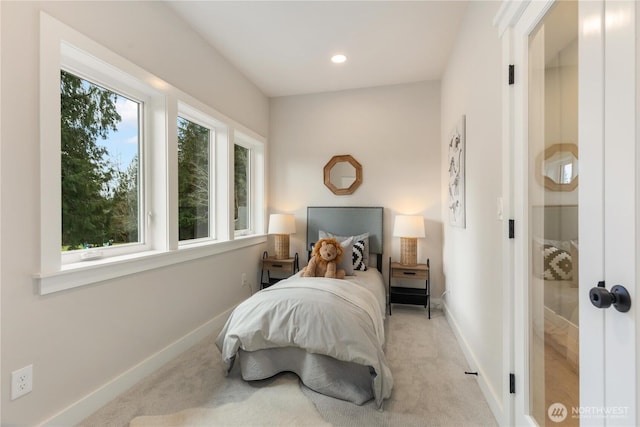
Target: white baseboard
{"x":493,"y":399}
{"x":86,"y":406}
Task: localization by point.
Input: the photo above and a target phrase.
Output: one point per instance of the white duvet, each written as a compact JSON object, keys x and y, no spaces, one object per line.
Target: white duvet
{"x":338,"y":318}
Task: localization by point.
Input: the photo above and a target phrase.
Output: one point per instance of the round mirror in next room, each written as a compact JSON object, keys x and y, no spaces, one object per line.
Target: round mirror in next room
{"x":342,"y":175}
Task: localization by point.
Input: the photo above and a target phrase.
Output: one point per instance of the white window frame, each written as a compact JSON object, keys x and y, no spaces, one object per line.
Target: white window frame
{"x":215,"y":128}
{"x":249,"y":229}
{"x":61,"y":47}
{"x":255,"y":183}
{"x":87,"y":68}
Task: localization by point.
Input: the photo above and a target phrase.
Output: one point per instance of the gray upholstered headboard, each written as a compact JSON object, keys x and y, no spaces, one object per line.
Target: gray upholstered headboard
{"x":347,"y":221}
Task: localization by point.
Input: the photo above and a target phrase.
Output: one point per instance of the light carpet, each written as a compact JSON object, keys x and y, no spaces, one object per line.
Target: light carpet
{"x":430,"y":386}
{"x":279,"y":404}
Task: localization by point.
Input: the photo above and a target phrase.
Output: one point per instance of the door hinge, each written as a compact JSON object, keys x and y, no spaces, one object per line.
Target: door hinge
{"x":512,"y":228}
{"x":512,"y":383}
{"x":512,"y":74}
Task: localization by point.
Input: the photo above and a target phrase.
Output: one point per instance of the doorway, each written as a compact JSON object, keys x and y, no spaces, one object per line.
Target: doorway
{"x":566,"y":159}
{"x":553,"y":206}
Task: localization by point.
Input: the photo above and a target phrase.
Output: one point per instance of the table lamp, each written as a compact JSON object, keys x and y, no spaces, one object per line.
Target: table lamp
{"x":409,"y":228}
{"x":282,"y":225}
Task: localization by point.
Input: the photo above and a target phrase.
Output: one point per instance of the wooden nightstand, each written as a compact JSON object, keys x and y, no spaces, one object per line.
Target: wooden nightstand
{"x":283,"y":267}
{"x":402,"y":295}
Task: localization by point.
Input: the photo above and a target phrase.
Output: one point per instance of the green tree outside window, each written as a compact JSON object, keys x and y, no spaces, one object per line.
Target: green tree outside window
{"x":193,"y":180}
{"x":99,"y":198}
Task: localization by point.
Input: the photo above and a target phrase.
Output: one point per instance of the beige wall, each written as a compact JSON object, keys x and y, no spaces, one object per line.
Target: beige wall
{"x":472,"y":85}
{"x":78,"y":340}
{"x":393,"y":131}
{"x":561,"y":111}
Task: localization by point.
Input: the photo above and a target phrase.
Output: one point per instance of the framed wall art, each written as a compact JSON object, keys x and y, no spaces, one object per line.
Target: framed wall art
{"x":457,"y":153}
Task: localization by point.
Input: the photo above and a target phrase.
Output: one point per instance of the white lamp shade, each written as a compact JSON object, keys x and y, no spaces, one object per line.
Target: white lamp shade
{"x":282,"y":224}
{"x":409,"y":226}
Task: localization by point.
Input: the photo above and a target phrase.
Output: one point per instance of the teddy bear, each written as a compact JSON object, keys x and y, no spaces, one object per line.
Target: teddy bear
{"x":326,"y":255}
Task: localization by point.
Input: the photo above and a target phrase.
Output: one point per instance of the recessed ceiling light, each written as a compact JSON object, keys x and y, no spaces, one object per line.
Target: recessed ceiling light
{"x":338,"y":59}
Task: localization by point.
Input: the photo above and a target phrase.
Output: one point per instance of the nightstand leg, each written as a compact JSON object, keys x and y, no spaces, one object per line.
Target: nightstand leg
{"x":390,"y":273}
{"x":429,"y":289}
{"x":429,"y":297}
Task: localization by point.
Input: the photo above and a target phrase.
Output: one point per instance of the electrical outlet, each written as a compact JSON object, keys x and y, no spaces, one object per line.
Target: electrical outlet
{"x":243,"y":279}
{"x":21,"y":382}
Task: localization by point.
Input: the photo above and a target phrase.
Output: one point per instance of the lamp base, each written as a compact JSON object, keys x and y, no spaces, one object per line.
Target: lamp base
{"x":408,"y":251}
{"x":282,"y":246}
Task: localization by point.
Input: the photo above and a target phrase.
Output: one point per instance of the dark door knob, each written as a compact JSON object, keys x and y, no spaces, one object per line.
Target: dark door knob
{"x":618,"y":297}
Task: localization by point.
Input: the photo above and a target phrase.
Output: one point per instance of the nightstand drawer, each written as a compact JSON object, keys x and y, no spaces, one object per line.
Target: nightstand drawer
{"x":405,"y":273}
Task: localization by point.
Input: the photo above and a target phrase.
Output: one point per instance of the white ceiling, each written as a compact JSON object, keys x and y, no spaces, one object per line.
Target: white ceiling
{"x":284,"y":47}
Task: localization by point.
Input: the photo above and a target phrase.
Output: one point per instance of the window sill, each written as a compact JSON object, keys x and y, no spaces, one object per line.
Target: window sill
{"x":88,"y":272}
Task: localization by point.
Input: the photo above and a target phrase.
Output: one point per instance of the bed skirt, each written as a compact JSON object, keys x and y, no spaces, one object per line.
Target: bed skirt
{"x":343,"y":380}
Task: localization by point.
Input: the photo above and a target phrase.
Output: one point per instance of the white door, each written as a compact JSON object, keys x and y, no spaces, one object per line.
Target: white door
{"x":575,"y":196}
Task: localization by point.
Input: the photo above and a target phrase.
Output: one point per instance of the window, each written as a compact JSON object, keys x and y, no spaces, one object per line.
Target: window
{"x":99,"y":165}
{"x":242,"y":189}
{"x":194,"y":177}
{"x":135,"y":174}
{"x":248,"y":184}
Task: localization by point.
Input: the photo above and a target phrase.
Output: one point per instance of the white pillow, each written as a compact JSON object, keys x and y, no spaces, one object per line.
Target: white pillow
{"x":347,"y":257}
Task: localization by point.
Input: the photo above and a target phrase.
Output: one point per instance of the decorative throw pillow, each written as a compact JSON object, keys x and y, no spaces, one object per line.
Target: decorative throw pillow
{"x":358,"y":256}
{"x":557,"y":264}
{"x":575,"y":263}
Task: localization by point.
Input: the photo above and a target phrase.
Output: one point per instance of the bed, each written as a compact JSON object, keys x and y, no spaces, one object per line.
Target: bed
{"x":330,"y":332}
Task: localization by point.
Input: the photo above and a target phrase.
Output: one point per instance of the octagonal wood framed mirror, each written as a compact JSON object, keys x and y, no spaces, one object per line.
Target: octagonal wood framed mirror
{"x":560,"y":168}
{"x":343,"y":175}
